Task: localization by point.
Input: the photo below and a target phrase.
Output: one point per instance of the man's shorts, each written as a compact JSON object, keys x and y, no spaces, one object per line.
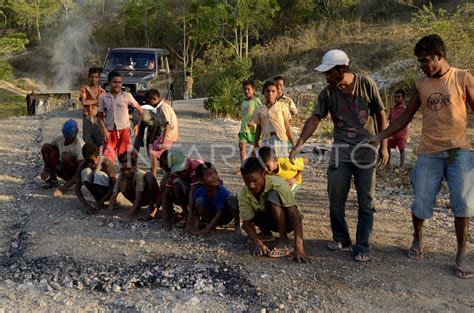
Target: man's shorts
{"x":429,"y":172}
{"x":247,"y":137}
{"x":400,"y":143}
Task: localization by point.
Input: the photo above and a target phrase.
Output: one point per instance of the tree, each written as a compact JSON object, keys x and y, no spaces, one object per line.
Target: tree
{"x":236,"y":21}
{"x":67,"y":6}
{"x":13,"y":43}
{"x":35,"y":12}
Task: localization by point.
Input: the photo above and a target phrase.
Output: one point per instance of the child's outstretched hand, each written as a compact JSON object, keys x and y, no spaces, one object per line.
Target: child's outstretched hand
{"x":300,"y":256}
{"x":261,"y":249}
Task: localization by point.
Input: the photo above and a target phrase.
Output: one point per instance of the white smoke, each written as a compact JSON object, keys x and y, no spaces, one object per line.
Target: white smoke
{"x":70,"y":49}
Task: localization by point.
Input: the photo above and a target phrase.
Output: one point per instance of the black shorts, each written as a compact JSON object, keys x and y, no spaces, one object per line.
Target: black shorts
{"x":265,"y":220}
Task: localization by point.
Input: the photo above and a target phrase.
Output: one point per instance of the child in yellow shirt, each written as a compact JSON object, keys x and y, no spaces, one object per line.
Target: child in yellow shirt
{"x":283,"y":168}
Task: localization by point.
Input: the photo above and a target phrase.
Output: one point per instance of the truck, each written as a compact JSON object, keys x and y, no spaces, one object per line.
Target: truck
{"x":142,"y":70}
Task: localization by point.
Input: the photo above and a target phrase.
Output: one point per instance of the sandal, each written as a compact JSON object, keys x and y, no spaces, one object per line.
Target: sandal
{"x":279,"y":252}
{"x":415,"y":253}
{"x":463,"y":274}
{"x":362,"y":257}
{"x":334,"y":245}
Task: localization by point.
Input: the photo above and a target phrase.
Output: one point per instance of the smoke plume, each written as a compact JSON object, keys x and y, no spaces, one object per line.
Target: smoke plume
{"x":70,"y":50}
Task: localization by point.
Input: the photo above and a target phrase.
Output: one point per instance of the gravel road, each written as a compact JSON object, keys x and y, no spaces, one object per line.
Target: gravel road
{"x":55,"y":258}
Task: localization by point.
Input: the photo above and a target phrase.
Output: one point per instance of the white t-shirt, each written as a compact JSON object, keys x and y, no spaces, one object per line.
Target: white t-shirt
{"x":75,"y":148}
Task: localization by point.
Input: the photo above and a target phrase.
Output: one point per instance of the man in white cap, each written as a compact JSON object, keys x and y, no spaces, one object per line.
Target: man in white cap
{"x":357,"y":111}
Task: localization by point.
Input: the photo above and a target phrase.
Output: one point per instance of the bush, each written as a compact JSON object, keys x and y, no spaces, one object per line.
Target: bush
{"x":225,"y":95}
{"x":454,"y":28}
{"x":6,"y":71}
{"x":13,"y":43}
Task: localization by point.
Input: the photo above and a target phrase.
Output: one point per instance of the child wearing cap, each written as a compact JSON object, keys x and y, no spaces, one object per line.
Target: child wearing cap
{"x":214,"y":204}
{"x":61,"y":158}
{"x":114,"y":117}
{"x":180,"y":186}
{"x":267,"y":202}
{"x":273,"y":122}
{"x":98,"y":175}
{"x":283,"y":167}
{"x":248,"y":126}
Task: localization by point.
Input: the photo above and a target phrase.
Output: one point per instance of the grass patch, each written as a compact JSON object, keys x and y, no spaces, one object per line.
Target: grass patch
{"x":11,"y":104}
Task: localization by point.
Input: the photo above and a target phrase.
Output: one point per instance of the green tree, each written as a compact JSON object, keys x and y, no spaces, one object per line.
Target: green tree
{"x":13,"y":43}
{"x":236,"y":21}
{"x":457,"y":33}
{"x":35,"y":12}
{"x":225,"y":95}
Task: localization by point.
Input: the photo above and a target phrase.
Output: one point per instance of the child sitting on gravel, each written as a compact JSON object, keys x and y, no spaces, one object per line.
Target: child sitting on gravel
{"x":98,"y":175}
{"x":138,"y":187}
{"x":62,"y":158}
{"x":163,"y":162}
{"x":214,"y":204}
{"x":180,"y":186}
{"x":283,"y":167}
{"x":267,"y":202}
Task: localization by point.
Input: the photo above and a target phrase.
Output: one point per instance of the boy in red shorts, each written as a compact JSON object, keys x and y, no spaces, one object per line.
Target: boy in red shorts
{"x":399,"y":139}
{"x":114,"y":117}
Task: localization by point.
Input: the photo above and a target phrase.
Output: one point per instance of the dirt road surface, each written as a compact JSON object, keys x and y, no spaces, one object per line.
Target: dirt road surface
{"x":53,"y":257}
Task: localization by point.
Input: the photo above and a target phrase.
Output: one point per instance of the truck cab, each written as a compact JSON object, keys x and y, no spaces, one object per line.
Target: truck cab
{"x":142,"y":70}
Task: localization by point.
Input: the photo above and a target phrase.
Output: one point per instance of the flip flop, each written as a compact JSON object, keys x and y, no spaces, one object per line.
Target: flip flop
{"x":279,"y":253}
{"x":363,"y":257}
{"x":463,"y":274}
{"x":415,"y":254}
{"x":334,"y":245}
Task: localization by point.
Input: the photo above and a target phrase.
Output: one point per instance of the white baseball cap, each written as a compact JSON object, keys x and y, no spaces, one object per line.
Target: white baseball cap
{"x":331,"y":59}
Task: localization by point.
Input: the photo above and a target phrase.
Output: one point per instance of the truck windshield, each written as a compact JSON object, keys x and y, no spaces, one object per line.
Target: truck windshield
{"x":132,"y":61}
